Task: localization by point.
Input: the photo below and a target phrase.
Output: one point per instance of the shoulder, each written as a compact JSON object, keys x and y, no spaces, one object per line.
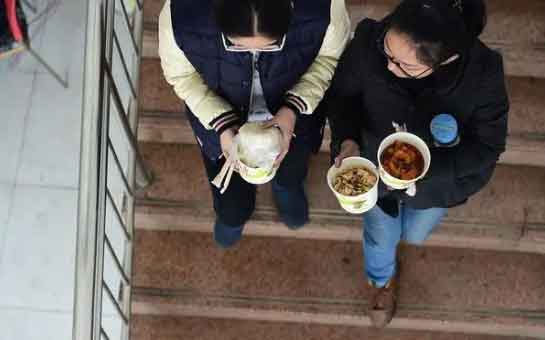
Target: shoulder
{"x":367,"y":32}
{"x":363,"y":43}
{"x":312,"y":9}
{"x":191,"y":15}
{"x":485,"y":61}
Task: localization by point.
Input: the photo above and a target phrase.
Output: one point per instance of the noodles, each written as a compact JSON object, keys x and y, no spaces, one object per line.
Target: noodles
{"x":354,"y":182}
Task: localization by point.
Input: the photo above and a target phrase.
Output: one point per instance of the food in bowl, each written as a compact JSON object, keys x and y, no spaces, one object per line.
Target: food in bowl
{"x":258,"y":147}
{"x":354,"y":182}
{"x":403,"y":161}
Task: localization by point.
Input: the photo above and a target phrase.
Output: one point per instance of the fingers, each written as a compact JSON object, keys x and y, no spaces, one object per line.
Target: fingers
{"x":285,"y":149}
{"x":280,"y":158}
{"x":269,"y":124}
{"x":338,"y":161}
{"x":340,"y":158}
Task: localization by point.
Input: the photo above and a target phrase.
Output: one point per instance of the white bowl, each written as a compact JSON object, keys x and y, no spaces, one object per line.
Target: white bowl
{"x":255,"y":175}
{"x":413,"y":140}
{"x":360,"y":203}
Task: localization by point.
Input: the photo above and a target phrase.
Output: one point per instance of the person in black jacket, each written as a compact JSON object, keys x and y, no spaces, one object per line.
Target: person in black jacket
{"x":422,"y":67}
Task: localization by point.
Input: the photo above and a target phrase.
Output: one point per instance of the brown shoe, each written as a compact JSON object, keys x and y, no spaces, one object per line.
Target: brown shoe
{"x":382,"y":304}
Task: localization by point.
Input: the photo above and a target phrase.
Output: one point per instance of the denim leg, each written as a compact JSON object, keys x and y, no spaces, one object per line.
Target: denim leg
{"x":226,"y":236}
{"x":381,"y":235}
{"x":288,"y":189}
{"x":419,"y":223}
{"x":233,"y":208}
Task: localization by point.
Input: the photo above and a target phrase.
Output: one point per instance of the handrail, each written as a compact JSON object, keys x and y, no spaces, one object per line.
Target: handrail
{"x":101,"y":96}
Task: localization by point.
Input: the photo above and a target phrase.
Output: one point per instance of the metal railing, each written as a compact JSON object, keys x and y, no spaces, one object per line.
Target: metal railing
{"x":111,"y":169}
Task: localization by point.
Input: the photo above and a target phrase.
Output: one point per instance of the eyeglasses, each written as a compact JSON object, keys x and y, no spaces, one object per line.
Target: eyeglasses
{"x":381,"y":47}
{"x":274,"y":47}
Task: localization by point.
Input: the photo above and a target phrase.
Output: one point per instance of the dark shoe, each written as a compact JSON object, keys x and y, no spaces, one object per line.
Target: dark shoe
{"x":383,"y":303}
{"x":226,"y":236}
{"x":292,"y":206}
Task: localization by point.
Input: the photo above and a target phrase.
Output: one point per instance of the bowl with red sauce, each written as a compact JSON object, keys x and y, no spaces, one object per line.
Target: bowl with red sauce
{"x":404,"y":158}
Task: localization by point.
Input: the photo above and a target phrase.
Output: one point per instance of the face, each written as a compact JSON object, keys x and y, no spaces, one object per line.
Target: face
{"x":401,"y":55}
{"x":255,"y":43}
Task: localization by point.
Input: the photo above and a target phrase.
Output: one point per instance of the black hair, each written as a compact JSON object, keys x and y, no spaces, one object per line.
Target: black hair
{"x":246,"y":18}
{"x":439,"y":29}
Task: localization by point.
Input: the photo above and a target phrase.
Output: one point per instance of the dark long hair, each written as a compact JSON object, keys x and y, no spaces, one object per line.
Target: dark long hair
{"x":246,"y":18}
{"x":439,"y":29}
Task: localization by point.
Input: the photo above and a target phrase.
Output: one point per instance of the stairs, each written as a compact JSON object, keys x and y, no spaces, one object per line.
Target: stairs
{"x":481,"y":275}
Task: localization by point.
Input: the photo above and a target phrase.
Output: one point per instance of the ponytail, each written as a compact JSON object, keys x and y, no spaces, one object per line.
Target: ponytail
{"x":474,"y":15}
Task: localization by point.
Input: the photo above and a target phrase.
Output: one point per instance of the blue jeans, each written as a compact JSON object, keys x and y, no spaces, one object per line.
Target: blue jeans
{"x":382,"y":233}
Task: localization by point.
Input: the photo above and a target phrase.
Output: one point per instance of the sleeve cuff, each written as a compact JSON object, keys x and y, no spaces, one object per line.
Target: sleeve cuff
{"x":225,"y":121}
{"x":296,"y":103}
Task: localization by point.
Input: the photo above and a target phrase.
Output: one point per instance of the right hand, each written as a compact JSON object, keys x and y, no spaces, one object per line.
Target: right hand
{"x":227,"y":139}
{"x":349,"y":148}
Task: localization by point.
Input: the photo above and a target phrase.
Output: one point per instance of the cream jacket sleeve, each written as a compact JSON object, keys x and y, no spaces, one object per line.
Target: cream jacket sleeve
{"x":309,"y":91}
{"x":213,"y":111}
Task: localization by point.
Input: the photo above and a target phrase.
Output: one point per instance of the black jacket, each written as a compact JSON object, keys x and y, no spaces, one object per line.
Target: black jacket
{"x":366,"y":99}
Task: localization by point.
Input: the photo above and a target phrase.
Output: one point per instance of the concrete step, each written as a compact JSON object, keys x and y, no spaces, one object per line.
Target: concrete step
{"x":152,"y":327}
{"x":509,"y":214}
{"x":169,"y":128}
{"x":321,"y":281}
{"x":516,"y":28}
{"x":162,"y":119}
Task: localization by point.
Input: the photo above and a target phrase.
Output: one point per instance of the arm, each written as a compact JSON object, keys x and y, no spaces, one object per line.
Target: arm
{"x":484,"y":137}
{"x":345,"y":94}
{"x":305,"y":96}
{"x":213,"y":111}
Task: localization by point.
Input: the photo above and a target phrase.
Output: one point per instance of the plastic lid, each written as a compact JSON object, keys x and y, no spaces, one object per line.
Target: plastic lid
{"x":444,"y":128}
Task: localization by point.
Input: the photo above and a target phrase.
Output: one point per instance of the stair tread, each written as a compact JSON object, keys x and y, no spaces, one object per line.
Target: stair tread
{"x":323,"y":276}
{"x":525,"y":116}
{"x":514,"y":195}
{"x":172,"y":128}
{"x":176,"y":328}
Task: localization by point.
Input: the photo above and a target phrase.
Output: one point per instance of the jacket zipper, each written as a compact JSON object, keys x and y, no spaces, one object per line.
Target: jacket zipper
{"x":254,"y":65}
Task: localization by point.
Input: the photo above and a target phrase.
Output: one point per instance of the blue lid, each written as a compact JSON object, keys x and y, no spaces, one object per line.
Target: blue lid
{"x":444,"y":128}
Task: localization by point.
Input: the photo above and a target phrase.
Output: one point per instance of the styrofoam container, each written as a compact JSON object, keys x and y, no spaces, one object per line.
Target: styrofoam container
{"x":355,"y":204}
{"x":256,"y":175}
{"x":413,"y":140}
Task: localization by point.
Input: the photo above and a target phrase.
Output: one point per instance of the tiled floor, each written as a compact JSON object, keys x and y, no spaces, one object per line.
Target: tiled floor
{"x":40,"y":128}
{"x":34,"y":325}
{"x":38,"y":263}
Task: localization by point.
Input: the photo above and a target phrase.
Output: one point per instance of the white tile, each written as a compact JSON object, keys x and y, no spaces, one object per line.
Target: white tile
{"x":64,"y":38}
{"x":6,"y":191}
{"x":6,"y":194}
{"x":34,"y":325}
{"x":51,"y":148}
{"x":52,"y":141}
{"x":15,"y":98}
{"x":40,"y":247}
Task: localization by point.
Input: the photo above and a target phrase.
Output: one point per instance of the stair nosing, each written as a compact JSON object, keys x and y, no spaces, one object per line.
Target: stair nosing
{"x":453,"y":233}
{"x":409,"y":317}
{"x":150,"y":131}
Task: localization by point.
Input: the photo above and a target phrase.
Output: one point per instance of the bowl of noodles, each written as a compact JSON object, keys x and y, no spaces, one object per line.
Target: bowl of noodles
{"x":355,"y":184}
{"x":404,"y":158}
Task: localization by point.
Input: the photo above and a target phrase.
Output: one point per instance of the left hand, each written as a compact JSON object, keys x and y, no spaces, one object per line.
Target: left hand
{"x":285,"y":120}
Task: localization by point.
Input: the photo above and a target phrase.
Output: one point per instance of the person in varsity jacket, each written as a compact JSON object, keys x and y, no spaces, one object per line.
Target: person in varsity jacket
{"x":233,"y":61}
